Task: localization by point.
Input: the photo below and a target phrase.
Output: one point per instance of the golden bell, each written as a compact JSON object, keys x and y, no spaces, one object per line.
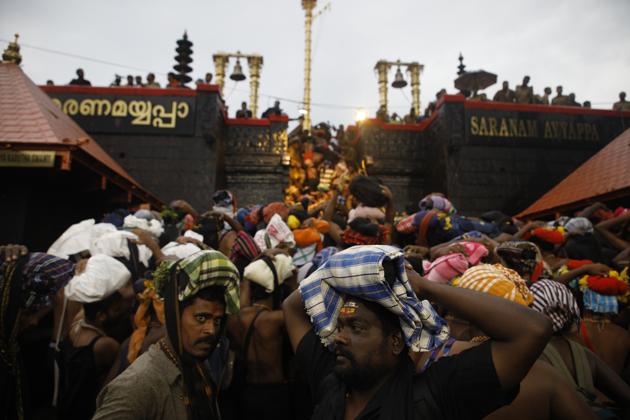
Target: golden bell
{"x":399,"y":80}
{"x":237,"y":74}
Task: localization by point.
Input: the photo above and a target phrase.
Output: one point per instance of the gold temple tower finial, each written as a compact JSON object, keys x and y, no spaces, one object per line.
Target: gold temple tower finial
{"x":12,"y":52}
{"x":308,"y":6}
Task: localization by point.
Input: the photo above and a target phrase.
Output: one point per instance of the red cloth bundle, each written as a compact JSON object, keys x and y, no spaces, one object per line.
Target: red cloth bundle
{"x":352,"y":237}
{"x":552,"y":236}
{"x":610,"y":286}
{"x":573,"y":264}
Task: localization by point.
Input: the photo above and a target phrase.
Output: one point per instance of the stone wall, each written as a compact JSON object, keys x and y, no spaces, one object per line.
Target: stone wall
{"x":253,"y":159}
{"x":398,"y":155}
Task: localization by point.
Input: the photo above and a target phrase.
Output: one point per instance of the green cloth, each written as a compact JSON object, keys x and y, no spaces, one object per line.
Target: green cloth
{"x":211,"y":268}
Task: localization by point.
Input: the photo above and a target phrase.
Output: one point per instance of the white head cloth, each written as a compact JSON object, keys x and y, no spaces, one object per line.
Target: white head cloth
{"x":153,"y":226}
{"x":103,"y":275}
{"x":115,"y":244}
{"x":78,"y":238}
{"x":260,"y":273}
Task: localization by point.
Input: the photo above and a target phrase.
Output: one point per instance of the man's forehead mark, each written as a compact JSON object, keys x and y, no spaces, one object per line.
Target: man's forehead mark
{"x":349,"y":308}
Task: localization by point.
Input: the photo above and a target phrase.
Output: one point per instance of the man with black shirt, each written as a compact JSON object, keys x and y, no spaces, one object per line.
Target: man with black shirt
{"x":275,"y":110}
{"x":243,"y":112}
{"x":505,"y":94}
{"x":80,"y":80}
{"x":370,"y":375}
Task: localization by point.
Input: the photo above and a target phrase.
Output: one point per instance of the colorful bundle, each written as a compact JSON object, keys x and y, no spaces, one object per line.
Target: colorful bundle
{"x":550,"y":235}
{"x":574,"y":264}
{"x":614,"y":284}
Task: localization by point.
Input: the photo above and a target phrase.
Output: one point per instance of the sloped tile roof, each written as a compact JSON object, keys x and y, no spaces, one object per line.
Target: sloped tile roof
{"x":606,"y":174}
{"x":29,"y":117}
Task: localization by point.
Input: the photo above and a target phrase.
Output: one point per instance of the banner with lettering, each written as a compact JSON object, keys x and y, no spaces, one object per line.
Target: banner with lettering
{"x":103,"y":113}
{"x":495,"y":125}
{"x":27,"y":158}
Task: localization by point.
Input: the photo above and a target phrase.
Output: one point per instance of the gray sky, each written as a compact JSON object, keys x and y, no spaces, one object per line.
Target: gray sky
{"x":582,"y":44}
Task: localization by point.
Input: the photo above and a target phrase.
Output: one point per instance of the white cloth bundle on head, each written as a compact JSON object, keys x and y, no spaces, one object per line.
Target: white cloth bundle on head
{"x":260,"y":273}
{"x":227,"y":211}
{"x":304,"y":255}
{"x":78,"y":238}
{"x":180,"y":250}
{"x":115,"y":244}
{"x":365,"y":212}
{"x":152,"y":226}
{"x":193,"y":235}
{"x":578,"y":226}
{"x":275,"y":233}
{"x":103,"y":275}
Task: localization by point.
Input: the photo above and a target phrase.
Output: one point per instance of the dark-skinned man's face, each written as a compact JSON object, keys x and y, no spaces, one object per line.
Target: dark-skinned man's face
{"x":200,"y":327}
{"x":364,"y":354}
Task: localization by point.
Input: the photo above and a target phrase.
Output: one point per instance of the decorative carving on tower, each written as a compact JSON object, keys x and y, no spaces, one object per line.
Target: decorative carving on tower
{"x":461,"y":66}
{"x":183,"y":59}
{"x":12,"y":52}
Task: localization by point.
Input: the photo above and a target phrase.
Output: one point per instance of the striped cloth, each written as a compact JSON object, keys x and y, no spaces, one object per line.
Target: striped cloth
{"x":556,"y":302}
{"x":406,"y":225}
{"x":245,"y":247}
{"x":324,"y":255}
{"x":496,"y":280}
{"x":304,"y":255}
{"x":211,"y":268}
{"x":359,"y":272}
{"x":43,"y":276}
{"x":599,"y":303}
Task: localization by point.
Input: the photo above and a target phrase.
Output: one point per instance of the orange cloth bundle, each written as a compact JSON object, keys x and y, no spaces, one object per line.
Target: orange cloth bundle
{"x":496,"y":280}
{"x":322,"y":226}
{"x":148,"y":298}
{"x":306,"y":237}
{"x":550,"y":235}
{"x":275,"y":208}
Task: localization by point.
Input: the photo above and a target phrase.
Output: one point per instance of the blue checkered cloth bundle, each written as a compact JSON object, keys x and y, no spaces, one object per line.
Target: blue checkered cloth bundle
{"x":598,"y":303}
{"x":359,"y":272}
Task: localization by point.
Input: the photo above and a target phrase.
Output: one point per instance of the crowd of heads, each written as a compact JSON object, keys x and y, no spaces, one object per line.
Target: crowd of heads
{"x":172,"y":277}
{"x":136,"y":81}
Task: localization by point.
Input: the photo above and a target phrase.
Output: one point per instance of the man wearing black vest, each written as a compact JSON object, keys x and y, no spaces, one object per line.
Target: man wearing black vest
{"x":369,"y":375}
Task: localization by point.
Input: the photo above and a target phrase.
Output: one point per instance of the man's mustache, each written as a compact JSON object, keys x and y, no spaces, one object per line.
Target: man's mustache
{"x":342,"y":352}
{"x":206,"y":340}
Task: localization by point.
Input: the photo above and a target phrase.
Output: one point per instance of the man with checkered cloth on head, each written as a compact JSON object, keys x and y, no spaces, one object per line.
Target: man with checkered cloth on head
{"x":354,"y":320}
{"x":173,"y":379}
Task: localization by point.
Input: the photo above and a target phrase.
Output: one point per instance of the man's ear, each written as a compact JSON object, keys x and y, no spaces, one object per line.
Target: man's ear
{"x":398,"y":343}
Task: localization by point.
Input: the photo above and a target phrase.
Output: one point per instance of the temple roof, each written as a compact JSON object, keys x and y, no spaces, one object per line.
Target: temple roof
{"x":604,"y":176}
{"x":30,"y":120}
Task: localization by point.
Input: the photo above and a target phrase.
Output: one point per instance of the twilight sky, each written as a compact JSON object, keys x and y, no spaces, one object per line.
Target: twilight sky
{"x":583,"y":45}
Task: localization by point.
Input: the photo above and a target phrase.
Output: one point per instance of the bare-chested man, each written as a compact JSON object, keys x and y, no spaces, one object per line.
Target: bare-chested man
{"x":258,"y":331}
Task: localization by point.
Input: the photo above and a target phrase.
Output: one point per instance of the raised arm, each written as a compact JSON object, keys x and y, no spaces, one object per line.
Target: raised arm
{"x":528,"y":227}
{"x":588,"y":211}
{"x":596,"y":269}
{"x":604,"y":229}
{"x":295,"y":318}
{"x":334,"y":231}
{"x":147,"y":239}
{"x":519,"y":334}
